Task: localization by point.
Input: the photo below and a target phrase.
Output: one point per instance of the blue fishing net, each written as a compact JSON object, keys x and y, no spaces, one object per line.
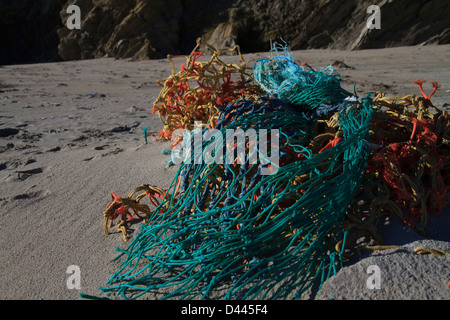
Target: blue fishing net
{"x":294,"y":84}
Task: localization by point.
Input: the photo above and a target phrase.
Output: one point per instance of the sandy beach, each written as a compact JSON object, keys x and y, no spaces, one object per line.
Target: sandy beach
{"x":72,"y":132}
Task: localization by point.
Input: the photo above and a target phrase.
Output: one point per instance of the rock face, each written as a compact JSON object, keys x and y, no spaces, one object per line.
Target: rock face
{"x":316,"y":24}
{"x":146,"y":29}
{"x":137,"y":29}
{"x":143,"y":29}
{"x":121,"y":28}
{"x":28,"y":30}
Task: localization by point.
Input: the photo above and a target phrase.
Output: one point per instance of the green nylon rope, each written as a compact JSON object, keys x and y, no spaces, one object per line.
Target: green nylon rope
{"x":248,"y":236}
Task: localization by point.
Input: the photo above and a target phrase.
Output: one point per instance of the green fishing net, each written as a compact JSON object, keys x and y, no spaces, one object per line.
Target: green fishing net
{"x":227,"y":230}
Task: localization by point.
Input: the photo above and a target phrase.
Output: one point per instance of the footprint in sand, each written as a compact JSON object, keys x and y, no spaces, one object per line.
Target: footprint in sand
{"x":25,"y":174}
{"x":55,"y":149}
{"x":14,"y":164}
{"x":7,"y":132}
{"x":29,"y":195}
{"x":22,"y":175}
{"x":114,"y":151}
{"x":101,"y":147}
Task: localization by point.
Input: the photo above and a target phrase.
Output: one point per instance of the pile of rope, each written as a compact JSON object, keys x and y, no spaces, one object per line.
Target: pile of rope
{"x":407,"y":175}
{"x":294,"y":84}
{"x":225,"y":229}
{"x":196,"y":91}
{"x":229,"y":223}
{"x":120,"y":207}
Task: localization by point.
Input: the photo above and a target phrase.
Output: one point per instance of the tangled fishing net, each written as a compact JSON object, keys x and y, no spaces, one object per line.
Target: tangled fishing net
{"x":407,"y":175}
{"x":229,"y":223}
{"x":294,"y":84}
{"x":199,"y":88}
{"x":227,"y":229}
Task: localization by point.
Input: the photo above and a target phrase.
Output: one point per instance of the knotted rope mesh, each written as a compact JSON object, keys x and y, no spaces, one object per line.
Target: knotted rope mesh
{"x":294,"y":84}
{"x":223,"y":229}
{"x":407,"y":175}
{"x":196,"y":91}
{"x":228,"y":224}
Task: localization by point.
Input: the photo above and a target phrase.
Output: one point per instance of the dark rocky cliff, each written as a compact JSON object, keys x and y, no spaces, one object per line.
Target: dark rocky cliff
{"x":35,"y":31}
{"x":307,"y":24}
{"x":28,"y":30}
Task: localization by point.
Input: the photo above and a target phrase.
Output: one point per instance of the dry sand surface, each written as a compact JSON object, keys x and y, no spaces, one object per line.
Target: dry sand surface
{"x":73,"y":131}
